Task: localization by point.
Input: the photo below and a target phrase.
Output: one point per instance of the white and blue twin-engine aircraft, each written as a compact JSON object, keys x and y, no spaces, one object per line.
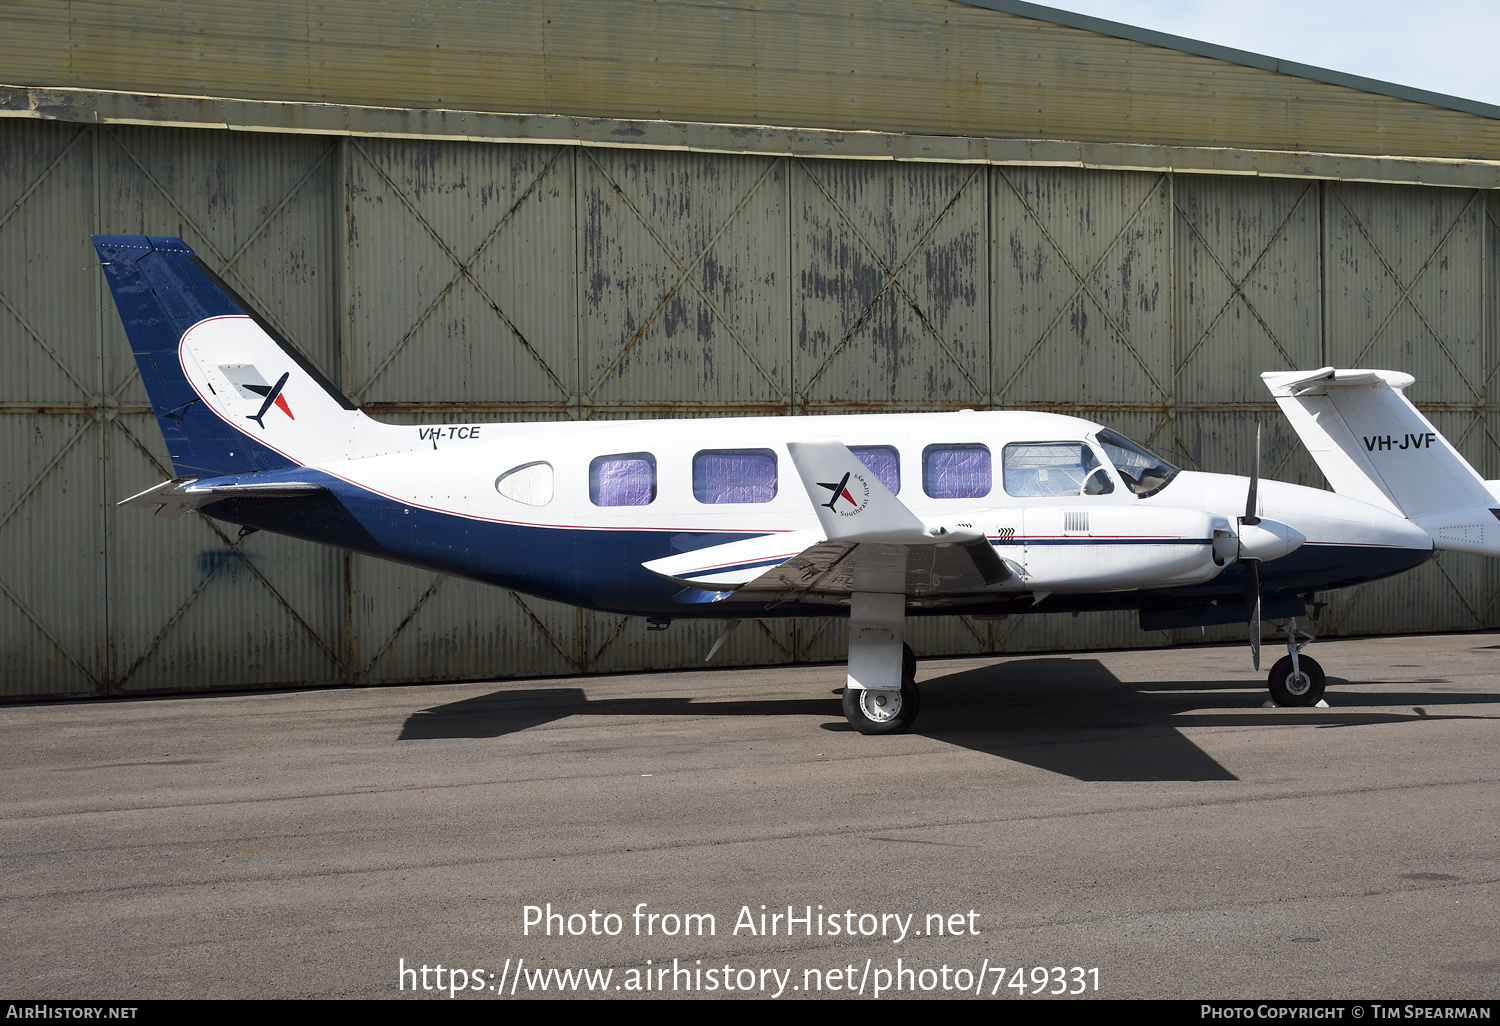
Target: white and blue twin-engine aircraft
{"x":874,"y":517}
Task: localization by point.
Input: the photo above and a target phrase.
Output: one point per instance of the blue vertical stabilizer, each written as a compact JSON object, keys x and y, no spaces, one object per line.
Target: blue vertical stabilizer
{"x":162,"y":290}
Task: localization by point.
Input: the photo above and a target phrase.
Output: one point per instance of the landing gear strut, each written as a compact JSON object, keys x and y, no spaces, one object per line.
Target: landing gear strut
{"x":1296,"y":679}
{"x":880,"y":691}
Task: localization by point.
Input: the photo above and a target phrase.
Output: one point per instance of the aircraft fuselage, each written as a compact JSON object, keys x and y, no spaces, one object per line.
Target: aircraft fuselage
{"x":437,"y":502}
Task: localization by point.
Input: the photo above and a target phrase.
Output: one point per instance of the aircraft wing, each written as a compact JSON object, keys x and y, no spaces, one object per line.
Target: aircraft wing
{"x":183,"y":494}
{"x":868,"y":541}
{"x":833,"y":570}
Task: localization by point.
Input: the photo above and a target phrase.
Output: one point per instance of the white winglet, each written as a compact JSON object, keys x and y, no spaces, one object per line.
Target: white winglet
{"x":852,"y":503}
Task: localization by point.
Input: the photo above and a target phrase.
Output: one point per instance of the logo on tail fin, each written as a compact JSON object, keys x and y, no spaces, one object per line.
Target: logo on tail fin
{"x":249,"y":383}
{"x":841,"y":491}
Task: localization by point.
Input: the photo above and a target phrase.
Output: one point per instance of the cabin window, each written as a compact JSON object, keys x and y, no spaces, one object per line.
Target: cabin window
{"x":530,"y":483}
{"x":1053,"y":468}
{"x":956,"y":471}
{"x":734,"y":475}
{"x":883,"y":461}
{"x":627,"y":479}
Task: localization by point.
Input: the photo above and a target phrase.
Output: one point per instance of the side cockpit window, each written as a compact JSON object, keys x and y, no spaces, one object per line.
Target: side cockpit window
{"x":1031,"y":469}
{"x":530,"y":483}
{"x":1143,"y":472}
{"x":627,"y":479}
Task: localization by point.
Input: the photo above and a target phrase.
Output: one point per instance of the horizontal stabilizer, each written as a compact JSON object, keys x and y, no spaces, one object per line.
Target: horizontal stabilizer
{"x":182,"y":495}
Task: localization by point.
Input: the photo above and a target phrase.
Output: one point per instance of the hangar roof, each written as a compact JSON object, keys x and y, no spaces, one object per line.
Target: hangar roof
{"x":982,"y":80}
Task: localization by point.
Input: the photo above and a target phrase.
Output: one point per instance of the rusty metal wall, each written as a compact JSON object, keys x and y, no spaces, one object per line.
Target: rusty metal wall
{"x":454,"y":280}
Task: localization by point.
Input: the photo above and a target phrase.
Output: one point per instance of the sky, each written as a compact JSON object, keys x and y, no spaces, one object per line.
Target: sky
{"x":1446,"y":46}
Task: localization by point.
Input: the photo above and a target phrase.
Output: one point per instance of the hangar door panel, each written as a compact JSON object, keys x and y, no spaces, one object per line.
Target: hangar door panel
{"x":259,"y":211}
{"x":1247,"y":285}
{"x":1406,"y":272}
{"x":192,"y":604}
{"x":52,"y":432}
{"x":1082,"y":305}
{"x":890,"y":271}
{"x":1397,"y":259}
{"x":460,"y":276}
{"x":682,"y":283}
{"x":1248,"y":300}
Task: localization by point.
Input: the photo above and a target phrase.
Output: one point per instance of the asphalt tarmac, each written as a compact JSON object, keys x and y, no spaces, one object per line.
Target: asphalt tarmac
{"x":1136,"y":816}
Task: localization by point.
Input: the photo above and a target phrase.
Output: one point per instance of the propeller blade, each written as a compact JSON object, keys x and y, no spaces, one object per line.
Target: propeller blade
{"x":1251,"y":500}
{"x":1251,"y":565}
{"x":1252,"y":602}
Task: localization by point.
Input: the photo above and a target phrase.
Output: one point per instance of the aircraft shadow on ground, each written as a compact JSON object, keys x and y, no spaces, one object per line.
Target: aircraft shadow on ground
{"x":1069,"y":716}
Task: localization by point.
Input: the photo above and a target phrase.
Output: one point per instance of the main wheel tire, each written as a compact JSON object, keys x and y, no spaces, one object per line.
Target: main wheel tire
{"x":882,"y":712}
{"x":886,"y":712}
{"x":1302,"y":689}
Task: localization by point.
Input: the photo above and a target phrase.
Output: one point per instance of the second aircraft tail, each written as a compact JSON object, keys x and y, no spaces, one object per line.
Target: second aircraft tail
{"x":1372,"y":444}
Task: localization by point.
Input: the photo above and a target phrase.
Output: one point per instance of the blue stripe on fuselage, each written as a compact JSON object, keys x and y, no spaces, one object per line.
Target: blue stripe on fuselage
{"x":601,"y":569}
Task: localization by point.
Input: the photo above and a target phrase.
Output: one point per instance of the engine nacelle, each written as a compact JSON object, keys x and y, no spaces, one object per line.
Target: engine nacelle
{"x":1111,"y":548}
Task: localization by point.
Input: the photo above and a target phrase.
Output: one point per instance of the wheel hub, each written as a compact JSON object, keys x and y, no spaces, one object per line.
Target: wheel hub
{"x":1299,"y":683}
{"x":880,"y":706}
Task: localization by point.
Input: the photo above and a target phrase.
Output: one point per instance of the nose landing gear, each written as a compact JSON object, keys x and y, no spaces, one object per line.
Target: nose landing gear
{"x":1296,"y":679}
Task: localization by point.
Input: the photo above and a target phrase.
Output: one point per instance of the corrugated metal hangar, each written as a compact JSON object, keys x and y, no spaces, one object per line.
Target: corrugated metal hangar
{"x":575,"y":209}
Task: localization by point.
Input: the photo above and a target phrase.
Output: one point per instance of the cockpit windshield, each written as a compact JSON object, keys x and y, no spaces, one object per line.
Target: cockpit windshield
{"x":1143,"y":472}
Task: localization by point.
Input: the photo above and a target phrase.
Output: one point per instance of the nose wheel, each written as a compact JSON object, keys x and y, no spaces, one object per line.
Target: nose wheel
{"x":1296,"y":679}
{"x":872,"y":711}
{"x":1300,"y":686}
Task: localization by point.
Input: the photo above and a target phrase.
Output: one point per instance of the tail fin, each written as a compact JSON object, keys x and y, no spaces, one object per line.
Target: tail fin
{"x":1373,"y":444}
{"x":231,"y":395}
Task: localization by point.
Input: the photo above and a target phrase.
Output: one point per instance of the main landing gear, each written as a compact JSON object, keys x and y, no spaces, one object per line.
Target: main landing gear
{"x":880,"y":692}
{"x":1297,"y":680}
{"x":885,"y":712}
